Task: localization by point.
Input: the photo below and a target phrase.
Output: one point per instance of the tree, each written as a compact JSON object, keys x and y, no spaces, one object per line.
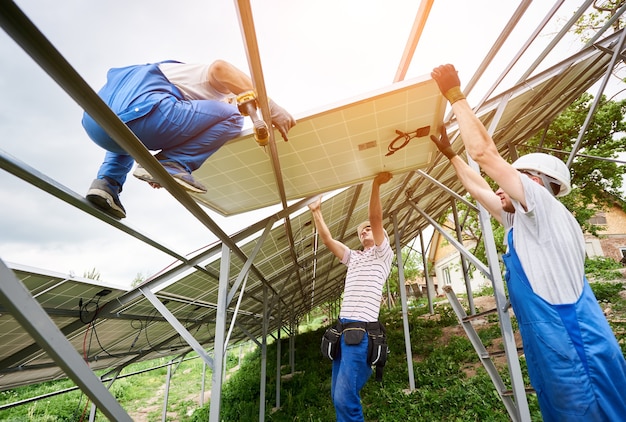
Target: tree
{"x":590,"y":23}
{"x":139,"y":279}
{"x":92,"y":274}
{"x":596,"y":182}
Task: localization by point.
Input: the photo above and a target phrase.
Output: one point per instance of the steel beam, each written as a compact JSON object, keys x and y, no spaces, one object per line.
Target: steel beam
{"x":405,"y":313}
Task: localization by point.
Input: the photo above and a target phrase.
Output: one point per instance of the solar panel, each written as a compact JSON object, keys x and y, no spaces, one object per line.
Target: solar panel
{"x":340,"y":146}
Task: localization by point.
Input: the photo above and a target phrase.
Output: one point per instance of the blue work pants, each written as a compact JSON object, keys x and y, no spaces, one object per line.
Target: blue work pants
{"x":350,"y":373}
{"x":186,"y":132}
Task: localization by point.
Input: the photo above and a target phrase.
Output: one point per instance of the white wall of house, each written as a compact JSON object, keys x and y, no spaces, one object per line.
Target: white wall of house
{"x":593,"y":247}
{"x":449,"y":271}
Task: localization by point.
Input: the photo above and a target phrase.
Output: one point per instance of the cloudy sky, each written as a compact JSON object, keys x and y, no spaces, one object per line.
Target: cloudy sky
{"x":313,"y":53}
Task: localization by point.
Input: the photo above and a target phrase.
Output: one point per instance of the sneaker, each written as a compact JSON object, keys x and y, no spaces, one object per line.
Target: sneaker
{"x":179,"y":174}
{"x":105,"y":197}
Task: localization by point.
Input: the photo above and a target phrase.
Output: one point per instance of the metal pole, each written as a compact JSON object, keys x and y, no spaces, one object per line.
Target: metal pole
{"x":292,"y":341}
{"x":263,"y":357}
{"x":430,"y":288}
{"x":278,"y":352}
{"x":405,"y":316}
{"x":389,"y":292}
{"x":204,"y":365}
{"x":468,"y":284}
{"x":220,"y":335}
{"x":175,"y":323}
{"x":166,"y":393}
{"x":416,"y":32}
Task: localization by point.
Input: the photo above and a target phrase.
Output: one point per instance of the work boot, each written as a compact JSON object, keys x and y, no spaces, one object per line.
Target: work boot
{"x":104,"y":195}
{"x":179,"y":174}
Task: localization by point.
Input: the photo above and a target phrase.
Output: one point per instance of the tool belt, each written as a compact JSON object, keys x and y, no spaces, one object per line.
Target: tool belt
{"x":353,"y":332}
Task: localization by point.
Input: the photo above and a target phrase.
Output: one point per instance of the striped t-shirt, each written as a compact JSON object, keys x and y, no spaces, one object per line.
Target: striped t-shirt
{"x":367,"y":272}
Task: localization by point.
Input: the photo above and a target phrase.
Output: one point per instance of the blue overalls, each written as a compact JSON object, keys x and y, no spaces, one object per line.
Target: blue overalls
{"x":186,"y":132}
{"x":574,"y":361}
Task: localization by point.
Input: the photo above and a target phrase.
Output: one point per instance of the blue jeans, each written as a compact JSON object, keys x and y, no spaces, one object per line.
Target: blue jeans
{"x":186,"y":132}
{"x":350,"y":373}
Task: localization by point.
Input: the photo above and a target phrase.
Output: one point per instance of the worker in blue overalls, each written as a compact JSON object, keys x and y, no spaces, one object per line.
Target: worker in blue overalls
{"x":574,"y":361}
{"x":185,"y":111}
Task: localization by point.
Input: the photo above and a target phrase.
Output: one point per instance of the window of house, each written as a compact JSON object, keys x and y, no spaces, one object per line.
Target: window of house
{"x":599,"y":219}
{"x":446,"y":276}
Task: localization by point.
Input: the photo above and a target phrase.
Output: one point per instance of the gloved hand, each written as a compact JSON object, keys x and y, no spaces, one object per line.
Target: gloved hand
{"x":281,"y":119}
{"x":443,"y":144}
{"x":448,"y":81}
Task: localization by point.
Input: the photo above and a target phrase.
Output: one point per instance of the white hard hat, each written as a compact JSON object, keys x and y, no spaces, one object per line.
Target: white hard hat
{"x":547,"y":165}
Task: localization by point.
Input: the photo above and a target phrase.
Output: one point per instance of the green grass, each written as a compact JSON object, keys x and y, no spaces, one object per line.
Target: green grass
{"x":443,"y":390}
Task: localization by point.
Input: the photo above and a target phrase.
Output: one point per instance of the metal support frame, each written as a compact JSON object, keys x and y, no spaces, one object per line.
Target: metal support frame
{"x":464,"y":266}
{"x":263,"y":375}
{"x":248,"y":31}
{"x":416,"y":32}
{"x":482,"y":353}
{"x":174,"y":322}
{"x":292,"y":341}
{"x":203,"y":387}
{"x":25,"y":34}
{"x":405,"y":316}
{"x":242,"y":279}
{"x":166,"y":393}
{"x":510,"y":348}
{"x":278,"y":353}
{"x":517,"y":382}
{"x":220,"y":332}
{"x":27,"y":311}
{"x":430,"y":288}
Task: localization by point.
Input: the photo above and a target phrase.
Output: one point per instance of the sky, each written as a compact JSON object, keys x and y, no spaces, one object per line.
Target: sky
{"x":313,"y":53}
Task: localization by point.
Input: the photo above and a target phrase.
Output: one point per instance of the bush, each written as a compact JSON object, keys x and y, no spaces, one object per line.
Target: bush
{"x":607,"y":292}
{"x":602,"y":268}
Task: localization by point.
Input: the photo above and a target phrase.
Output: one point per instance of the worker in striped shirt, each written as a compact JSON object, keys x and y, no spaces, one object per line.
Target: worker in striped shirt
{"x":368,"y":270}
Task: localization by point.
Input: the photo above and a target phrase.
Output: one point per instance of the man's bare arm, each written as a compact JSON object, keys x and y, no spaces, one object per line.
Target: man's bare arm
{"x":335,"y":246}
{"x":375,"y":207}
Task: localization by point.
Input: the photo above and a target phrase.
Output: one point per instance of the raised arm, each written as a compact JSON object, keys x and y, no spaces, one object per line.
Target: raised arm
{"x":226,"y":78}
{"x":335,"y":246}
{"x":478,"y":144}
{"x":473,"y":182}
{"x":375,"y":207}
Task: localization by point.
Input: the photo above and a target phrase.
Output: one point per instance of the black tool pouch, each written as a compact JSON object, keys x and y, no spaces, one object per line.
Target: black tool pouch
{"x":377,"y":353}
{"x":330,"y":343}
{"x":377,"y":349}
{"x":353,"y":336}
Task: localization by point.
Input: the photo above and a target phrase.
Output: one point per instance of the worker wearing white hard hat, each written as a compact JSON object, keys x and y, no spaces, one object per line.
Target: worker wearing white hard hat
{"x":574,"y":361}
